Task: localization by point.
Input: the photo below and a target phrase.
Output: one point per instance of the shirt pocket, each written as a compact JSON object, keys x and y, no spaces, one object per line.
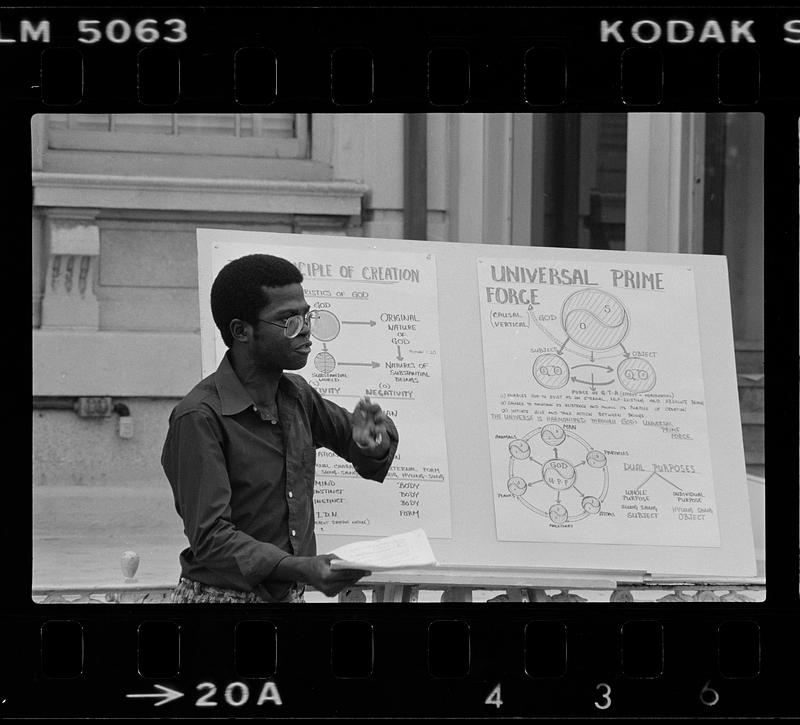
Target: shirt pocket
{"x":308,"y":467}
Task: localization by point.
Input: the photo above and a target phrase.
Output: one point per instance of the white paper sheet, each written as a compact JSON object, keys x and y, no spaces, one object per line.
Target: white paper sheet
{"x":402,"y":551}
{"x":597,"y":418}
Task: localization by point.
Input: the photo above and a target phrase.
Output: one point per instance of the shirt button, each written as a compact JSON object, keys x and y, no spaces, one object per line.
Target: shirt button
{"x":294,"y":533}
{"x":273,"y":422}
{"x":290,"y":494}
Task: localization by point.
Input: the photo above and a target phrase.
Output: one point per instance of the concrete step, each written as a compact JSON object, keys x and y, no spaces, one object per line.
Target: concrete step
{"x":749,"y":356}
{"x":753,"y":418}
{"x":753,"y":438}
{"x":751,"y":405}
{"x":751,"y":393}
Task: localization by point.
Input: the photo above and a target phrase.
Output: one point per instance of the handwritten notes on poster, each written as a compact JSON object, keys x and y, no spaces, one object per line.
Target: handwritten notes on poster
{"x":595,"y":402}
{"x":377,"y":335}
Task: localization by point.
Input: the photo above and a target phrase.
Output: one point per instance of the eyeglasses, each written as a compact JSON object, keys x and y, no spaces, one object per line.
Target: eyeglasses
{"x":294,"y":324}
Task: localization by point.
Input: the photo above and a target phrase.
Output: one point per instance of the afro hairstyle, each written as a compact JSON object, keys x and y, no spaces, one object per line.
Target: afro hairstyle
{"x":238,"y":290}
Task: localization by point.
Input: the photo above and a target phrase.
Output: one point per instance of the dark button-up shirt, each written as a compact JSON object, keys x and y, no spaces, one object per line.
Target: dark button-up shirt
{"x":244,"y":482}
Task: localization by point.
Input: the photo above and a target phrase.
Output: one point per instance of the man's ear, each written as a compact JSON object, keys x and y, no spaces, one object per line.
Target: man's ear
{"x":239,"y":330}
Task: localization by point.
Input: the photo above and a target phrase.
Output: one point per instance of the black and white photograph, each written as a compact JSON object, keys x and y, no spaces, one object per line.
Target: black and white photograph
{"x":398,"y":357}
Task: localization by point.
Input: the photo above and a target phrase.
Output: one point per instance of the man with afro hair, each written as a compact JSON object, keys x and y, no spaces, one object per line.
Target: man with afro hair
{"x":240,"y":451}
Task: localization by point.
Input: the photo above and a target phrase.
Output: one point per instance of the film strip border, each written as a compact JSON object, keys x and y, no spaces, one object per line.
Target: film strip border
{"x":392,"y":58}
{"x":454,"y":663}
{"x":450,"y":661}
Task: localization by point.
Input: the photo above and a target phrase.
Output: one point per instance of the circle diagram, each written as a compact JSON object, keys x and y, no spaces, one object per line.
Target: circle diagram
{"x":553,"y":435}
{"x":550,"y":370}
{"x":325,"y":362}
{"x":594,"y":319}
{"x":517,"y":486}
{"x":636,"y":375}
{"x":326,"y":327}
{"x":596,"y":459}
{"x":556,"y":474}
{"x":519,"y":449}
{"x":591,"y":504}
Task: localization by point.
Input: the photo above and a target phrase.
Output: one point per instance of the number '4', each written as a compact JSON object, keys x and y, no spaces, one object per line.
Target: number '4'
{"x":494,"y":697}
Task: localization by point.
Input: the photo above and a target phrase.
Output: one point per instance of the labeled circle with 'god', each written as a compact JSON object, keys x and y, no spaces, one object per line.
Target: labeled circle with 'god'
{"x":326,"y":327}
{"x":558,"y":474}
{"x":594,"y":319}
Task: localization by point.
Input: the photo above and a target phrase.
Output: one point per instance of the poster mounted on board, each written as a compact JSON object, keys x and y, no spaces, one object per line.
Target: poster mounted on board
{"x":596,"y":403}
{"x":376,"y":335}
{"x":560,"y":410}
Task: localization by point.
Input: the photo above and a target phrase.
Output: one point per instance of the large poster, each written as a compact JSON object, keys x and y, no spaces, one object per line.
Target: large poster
{"x":377,"y":335}
{"x":596,"y":404}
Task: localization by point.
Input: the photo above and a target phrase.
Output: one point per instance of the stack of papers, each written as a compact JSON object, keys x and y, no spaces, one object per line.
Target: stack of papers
{"x":402,"y":551}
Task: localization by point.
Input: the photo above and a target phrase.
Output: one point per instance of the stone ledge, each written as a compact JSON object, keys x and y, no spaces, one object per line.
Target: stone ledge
{"x":102,"y":191}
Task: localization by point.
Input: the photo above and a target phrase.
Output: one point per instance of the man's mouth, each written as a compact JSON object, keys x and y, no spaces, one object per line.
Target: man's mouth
{"x":305,"y":347}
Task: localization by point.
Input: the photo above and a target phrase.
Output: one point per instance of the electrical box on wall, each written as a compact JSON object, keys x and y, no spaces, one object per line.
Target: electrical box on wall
{"x":94,"y":407}
{"x":125,"y":426}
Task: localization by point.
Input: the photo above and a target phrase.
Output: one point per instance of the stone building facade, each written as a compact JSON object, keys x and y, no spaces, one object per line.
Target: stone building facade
{"x":117,"y":199}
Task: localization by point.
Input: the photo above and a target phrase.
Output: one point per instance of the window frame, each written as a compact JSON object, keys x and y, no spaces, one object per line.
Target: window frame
{"x":298,"y":147}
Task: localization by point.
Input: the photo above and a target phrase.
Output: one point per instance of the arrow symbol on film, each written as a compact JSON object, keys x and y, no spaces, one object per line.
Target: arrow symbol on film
{"x":166,"y":695}
{"x":399,"y":354}
{"x":371,"y":323}
{"x":625,"y":352}
{"x":372,"y":364}
{"x":563,"y":345}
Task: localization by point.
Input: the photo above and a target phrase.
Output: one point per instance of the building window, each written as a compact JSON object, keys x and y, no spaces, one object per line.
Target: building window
{"x":266,"y":135}
{"x":584,"y":184}
{"x":733,"y":214}
{"x":570,"y":170}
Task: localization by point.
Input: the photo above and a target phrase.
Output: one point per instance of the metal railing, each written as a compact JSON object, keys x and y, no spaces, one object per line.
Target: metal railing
{"x":376,"y":593}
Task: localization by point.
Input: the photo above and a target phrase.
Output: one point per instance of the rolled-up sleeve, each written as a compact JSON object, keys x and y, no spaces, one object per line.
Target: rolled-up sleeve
{"x":332,"y":427}
{"x":194,"y":463}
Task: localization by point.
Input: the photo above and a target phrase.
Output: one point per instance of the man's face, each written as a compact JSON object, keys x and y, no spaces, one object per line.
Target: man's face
{"x":270,"y":348}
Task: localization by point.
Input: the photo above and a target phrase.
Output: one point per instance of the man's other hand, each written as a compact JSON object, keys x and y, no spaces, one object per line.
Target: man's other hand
{"x":316,"y":571}
{"x":331,"y":581}
{"x":370,"y":428}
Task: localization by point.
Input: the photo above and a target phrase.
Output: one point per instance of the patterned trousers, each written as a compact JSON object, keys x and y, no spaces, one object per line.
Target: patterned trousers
{"x":189,"y":591}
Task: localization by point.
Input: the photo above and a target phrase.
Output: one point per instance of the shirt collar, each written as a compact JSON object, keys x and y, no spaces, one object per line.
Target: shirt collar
{"x":233,"y":396}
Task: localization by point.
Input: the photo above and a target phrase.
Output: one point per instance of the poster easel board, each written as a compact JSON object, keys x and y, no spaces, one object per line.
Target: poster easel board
{"x":586,"y":316}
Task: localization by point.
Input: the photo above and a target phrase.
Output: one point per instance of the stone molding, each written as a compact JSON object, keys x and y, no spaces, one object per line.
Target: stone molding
{"x":103,"y":191}
{"x":69,"y":295}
